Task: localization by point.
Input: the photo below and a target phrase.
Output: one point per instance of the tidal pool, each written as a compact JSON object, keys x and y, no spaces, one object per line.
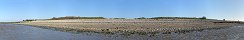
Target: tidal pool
{"x":21,"y":32}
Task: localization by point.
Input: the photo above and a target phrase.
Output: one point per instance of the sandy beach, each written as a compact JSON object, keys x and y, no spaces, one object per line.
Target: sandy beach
{"x":130,"y":25}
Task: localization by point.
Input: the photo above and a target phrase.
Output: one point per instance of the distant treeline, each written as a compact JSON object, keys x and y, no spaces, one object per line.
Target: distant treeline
{"x":77,"y":17}
{"x":172,"y":18}
{"x":178,"y":18}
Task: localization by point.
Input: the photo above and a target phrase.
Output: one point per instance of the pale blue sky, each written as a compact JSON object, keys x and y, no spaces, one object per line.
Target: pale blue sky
{"x":17,"y":10}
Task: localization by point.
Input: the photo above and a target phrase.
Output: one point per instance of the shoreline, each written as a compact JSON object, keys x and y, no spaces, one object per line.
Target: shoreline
{"x":127,"y":31}
{"x":127,"y":27}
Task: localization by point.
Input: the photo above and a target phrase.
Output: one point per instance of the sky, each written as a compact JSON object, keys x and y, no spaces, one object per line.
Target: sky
{"x":17,"y":10}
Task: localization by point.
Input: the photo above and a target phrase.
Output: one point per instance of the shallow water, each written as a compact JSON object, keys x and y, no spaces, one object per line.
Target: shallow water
{"x":21,"y":32}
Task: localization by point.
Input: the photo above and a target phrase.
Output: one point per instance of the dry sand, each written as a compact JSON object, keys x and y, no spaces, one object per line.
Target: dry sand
{"x":130,"y":25}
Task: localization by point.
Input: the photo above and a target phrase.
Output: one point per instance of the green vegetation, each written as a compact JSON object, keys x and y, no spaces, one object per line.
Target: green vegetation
{"x":78,"y":17}
{"x":118,"y":18}
{"x":141,"y":18}
{"x":178,"y":18}
{"x":74,"y":17}
{"x":203,"y":17}
{"x":29,"y":20}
